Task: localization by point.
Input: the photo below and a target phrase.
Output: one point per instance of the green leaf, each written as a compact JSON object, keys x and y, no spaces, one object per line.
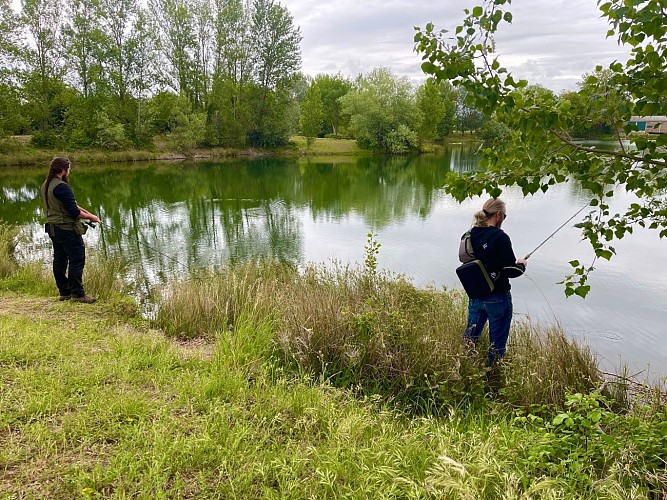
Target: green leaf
{"x":582,"y":290}
{"x":508,"y":17}
{"x":477,"y":11}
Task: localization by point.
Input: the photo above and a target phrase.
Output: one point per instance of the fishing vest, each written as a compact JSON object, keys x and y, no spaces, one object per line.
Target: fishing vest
{"x":55,"y":210}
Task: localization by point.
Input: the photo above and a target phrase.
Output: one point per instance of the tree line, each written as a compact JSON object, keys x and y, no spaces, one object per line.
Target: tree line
{"x":116,"y":74}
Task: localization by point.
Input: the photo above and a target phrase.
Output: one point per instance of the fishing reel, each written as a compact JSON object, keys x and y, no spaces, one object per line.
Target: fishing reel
{"x":90,"y":224}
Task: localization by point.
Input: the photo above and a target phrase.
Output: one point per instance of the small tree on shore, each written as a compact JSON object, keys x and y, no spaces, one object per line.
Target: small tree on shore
{"x":312,"y":114}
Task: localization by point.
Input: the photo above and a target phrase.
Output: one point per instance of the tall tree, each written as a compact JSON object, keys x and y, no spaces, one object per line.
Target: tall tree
{"x":275,"y":40}
{"x":10,"y":35}
{"x":177,"y":44}
{"x":332,"y":88}
{"x":10,"y":50}
{"x":82,"y":38}
{"x":312,"y":113}
{"x":42,"y":19}
{"x":432,"y":110}
{"x":276,"y":61}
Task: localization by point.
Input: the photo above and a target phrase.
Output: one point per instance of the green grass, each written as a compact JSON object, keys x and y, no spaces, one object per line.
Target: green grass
{"x":327,"y":146}
{"x":93,"y":407}
{"x":238,"y":400}
{"x":377,"y":332}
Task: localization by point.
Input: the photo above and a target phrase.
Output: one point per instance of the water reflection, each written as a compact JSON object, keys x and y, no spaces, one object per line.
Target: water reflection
{"x":166,"y":217}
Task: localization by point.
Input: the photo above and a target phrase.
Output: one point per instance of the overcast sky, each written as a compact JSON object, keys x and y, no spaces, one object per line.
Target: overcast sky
{"x":550,"y":42}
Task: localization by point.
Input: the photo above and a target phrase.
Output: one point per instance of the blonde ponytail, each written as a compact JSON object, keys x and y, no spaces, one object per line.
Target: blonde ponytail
{"x":490,"y":208}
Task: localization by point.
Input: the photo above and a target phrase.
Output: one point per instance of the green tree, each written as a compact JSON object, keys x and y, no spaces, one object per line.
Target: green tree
{"x":177,"y":44}
{"x":332,"y":88}
{"x":11,"y":47}
{"x":312,"y":113}
{"x":432,"y":110}
{"x":600,"y":103}
{"x":468,"y":117}
{"x":276,"y":60}
{"x":275,"y":40}
{"x":449,"y":97}
{"x":82,"y":38}
{"x":380,"y":105}
{"x":43,"y":82}
{"x":539,"y":151}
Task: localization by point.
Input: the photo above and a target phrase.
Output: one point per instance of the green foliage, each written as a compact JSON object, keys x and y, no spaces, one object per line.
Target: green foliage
{"x":587,"y":439}
{"x":432,"y":107}
{"x":312,"y":113}
{"x":540,"y":152}
{"x":109,"y":134}
{"x":332,"y":88}
{"x":233,"y":63}
{"x":378,"y":106}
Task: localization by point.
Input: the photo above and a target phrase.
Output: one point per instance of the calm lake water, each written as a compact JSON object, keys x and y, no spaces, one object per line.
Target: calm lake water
{"x":206,"y":214}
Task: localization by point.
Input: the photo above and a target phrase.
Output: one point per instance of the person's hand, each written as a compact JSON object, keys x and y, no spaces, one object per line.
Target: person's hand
{"x":522,"y":261}
{"x":94,"y":219}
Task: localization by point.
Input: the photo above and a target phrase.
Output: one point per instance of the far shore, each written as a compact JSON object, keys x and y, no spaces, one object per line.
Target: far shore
{"x":19,"y":152}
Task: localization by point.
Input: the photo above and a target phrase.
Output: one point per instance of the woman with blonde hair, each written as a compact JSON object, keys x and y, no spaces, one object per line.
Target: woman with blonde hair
{"x":492,"y":246}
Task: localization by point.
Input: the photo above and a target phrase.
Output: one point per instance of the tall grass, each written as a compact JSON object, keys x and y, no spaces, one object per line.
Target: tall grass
{"x":364,"y":329}
{"x":105,"y":275}
{"x":8,"y":242}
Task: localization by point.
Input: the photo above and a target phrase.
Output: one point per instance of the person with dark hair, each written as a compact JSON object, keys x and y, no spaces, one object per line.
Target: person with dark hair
{"x":493,"y":247}
{"x":65,"y":228}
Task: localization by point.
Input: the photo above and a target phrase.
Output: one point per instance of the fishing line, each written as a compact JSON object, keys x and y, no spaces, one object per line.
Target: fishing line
{"x":552,"y":234}
{"x":139,"y":241}
{"x":538,"y":247}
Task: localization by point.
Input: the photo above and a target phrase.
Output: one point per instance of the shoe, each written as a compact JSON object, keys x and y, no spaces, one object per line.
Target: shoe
{"x":86,"y":299}
{"x":64,"y":297}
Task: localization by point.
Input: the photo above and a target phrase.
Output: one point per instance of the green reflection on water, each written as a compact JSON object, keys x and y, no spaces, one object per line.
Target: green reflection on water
{"x":205,"y":213}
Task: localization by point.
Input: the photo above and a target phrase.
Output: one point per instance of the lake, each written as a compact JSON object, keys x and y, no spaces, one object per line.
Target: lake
{"x":170,"y":216}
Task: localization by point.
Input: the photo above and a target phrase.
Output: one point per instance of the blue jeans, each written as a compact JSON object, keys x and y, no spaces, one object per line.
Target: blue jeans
{"x":69,"y":258}
{"x":497,"y":309}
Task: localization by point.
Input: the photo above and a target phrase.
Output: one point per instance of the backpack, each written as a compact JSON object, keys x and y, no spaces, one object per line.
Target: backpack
{"x":472,"y":273}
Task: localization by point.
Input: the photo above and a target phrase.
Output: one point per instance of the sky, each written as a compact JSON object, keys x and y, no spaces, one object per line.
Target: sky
{"x":550,"y":42}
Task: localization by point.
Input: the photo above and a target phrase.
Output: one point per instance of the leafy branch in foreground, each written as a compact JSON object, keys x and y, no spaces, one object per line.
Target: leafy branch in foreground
{"x":539,"y":152}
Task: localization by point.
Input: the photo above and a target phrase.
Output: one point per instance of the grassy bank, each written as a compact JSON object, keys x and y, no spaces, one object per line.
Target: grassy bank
{"x":18,"y":151}
{"x":264,"y":382}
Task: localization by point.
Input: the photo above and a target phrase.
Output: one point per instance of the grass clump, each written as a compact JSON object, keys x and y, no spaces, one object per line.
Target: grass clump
{"x":373,"y":331}
{"x":8,"y":241}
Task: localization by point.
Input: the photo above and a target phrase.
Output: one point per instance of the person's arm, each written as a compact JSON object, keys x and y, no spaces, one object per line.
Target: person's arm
{"x":512,"y":267}
{"x":85,"y":214}
{"x":65,"y":195}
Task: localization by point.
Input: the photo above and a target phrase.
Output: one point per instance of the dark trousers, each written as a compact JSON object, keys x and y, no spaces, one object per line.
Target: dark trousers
{"x":68,"y":251}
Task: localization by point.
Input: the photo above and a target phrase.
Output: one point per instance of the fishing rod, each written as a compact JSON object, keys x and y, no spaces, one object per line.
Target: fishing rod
{"x":90,"y":224}
{"x":552,"y":234}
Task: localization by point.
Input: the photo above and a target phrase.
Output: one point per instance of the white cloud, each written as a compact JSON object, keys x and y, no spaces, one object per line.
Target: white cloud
{"x":550,"y":42}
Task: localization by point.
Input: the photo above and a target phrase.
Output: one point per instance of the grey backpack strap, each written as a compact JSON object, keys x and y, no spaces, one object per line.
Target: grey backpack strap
{"x":465,"y":249}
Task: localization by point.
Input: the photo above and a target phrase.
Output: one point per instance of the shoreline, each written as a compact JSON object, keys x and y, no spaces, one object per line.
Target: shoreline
{"x":20,"y":154}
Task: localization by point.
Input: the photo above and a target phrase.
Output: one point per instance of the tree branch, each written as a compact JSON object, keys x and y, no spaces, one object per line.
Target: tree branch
{"x":578,"y":147}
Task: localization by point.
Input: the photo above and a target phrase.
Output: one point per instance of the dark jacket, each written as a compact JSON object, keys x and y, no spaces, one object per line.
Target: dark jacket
{"x":493,"y":247}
